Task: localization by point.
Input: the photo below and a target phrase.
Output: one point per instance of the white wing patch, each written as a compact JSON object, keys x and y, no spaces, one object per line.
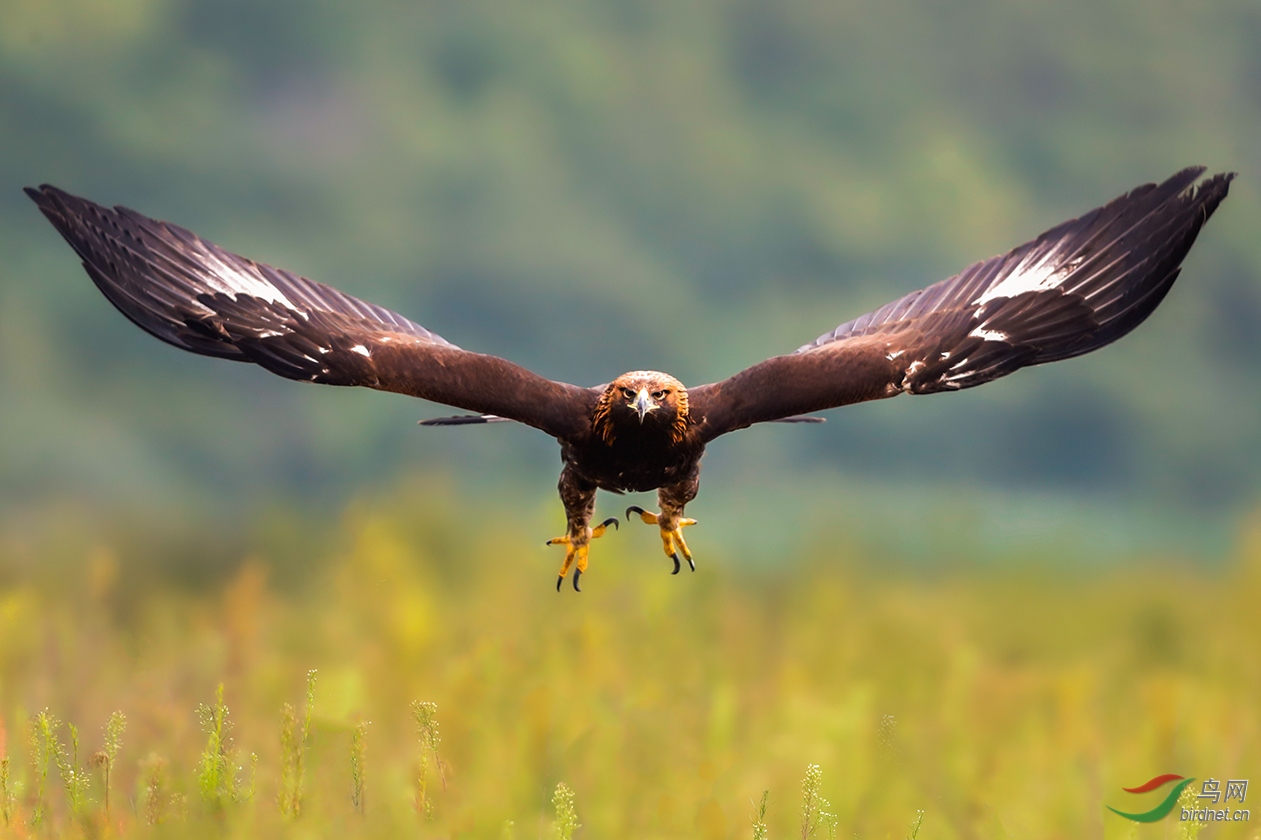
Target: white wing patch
{"x":361,"y":350}
{"x":232,"y":281}
{"x":911,"y":369}
{"x":988,"y":335}
{"x":1046,"y":273}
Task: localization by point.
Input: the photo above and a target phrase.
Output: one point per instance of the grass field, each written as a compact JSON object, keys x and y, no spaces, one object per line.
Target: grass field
{"x":1000,"y":704}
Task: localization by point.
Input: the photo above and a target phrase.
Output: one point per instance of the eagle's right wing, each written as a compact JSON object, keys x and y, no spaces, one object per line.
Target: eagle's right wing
{"x":199,"y":297}
{"x":1077,"y":287}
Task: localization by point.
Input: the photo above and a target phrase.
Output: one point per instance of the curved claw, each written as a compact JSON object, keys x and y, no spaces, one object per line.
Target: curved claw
{"x":559,"y":580}
{"x":634,"y":509}
{"x":577,"y":574}
{"x":675,"y":557}
{"x":690,"y":564}
{"x":612,"y":520}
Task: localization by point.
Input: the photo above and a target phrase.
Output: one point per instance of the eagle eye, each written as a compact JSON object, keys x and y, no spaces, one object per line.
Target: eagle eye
{"x":659,"y":395}
{"x":628,"y":393}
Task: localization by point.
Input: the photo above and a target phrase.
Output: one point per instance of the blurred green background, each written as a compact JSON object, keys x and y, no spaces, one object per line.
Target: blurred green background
{"x":1045,"y":582}
{"x":589,"y":188}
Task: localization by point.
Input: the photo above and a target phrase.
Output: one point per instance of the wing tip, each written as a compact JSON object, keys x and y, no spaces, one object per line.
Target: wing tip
{"x":1211,"y":191}
{"x":46,"y":192}
{"x":1188,"y":184}
{"x":44,"y":196}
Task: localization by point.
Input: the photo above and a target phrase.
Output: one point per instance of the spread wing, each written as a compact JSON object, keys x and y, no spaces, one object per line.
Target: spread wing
{"x":199,"y":297}
{"x":1077,"y":287}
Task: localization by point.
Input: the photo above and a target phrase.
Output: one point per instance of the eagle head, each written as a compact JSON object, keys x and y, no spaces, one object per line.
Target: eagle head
{"x":645,"y":399}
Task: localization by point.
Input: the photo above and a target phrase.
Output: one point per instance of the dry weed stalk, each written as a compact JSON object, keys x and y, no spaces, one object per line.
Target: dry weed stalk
{"x":295,"y":741}
{"x":566,"y":814}
{"x":106,"y":758}
{"x":426,"y":716}
{"x":760,"y":831}
{"x":358,"y":769}
{"x":216,"y":777}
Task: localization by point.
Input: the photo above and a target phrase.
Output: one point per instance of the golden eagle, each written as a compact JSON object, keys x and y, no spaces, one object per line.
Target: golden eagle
{"x":1077,"y":287}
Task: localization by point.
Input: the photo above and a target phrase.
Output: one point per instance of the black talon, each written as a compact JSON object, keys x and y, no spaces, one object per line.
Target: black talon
{"x":559,"y":580}
{"x":675,"y":557}
{"x":691,"y":564}
{"x":612,"y":520}
{"x":633,"y":509}
{"x":577,"y":574}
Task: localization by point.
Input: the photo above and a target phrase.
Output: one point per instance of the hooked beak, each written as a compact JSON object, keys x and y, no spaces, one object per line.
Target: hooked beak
{"x":643,"y":404}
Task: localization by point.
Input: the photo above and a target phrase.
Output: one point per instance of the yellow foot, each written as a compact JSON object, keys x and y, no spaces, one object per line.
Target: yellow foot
{"x":671,"y":539}
{"x":576,"y":551}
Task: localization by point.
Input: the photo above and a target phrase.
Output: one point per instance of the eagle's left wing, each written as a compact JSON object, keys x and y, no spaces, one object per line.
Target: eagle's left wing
{"x":191,"y":293}
{"x":1075,"y":288}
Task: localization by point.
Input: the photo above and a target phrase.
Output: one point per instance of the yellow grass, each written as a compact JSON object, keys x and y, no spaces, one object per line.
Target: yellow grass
{"x":1000,"y":704}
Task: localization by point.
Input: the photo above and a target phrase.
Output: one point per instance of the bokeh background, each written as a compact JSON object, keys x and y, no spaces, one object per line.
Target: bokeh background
{"x":593,"y":187}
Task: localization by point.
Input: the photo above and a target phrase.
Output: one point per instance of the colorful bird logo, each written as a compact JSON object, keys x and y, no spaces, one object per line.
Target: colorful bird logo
{"x":1162,"y":810}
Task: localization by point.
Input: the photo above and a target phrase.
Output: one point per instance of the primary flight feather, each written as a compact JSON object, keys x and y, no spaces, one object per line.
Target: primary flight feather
{"x":1081,"y":285}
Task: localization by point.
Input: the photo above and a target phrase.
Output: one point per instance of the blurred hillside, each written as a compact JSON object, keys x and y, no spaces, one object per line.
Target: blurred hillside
{"x":588,"y":188}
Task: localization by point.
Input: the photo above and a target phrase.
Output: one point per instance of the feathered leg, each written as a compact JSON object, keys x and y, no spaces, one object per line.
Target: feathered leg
{"x":578,"y":497}
{"x":672,"y":498}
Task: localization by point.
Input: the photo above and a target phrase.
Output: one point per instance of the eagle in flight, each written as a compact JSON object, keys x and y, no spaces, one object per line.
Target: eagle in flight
{"x":1081,"y":285}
